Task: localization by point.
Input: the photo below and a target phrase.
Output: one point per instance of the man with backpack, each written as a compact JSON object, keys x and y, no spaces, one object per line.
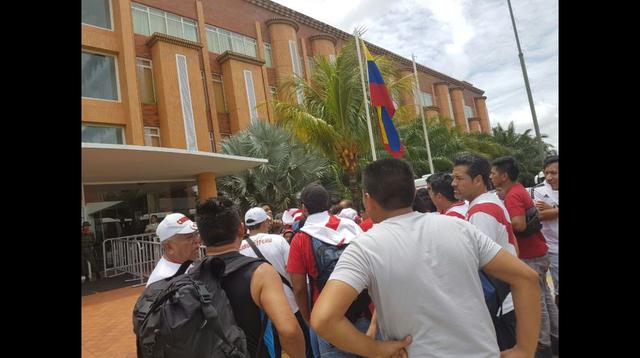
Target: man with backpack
{"x":422,"y":273}
{"x":486,"y":212}
{"x":531,"y":242}
{"x":224,"y":306}
{"x":314,"y":251}
{"x":274,"y":249}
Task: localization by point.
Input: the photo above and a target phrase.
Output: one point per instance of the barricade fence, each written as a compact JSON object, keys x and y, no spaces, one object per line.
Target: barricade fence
{"x":136,"y":255}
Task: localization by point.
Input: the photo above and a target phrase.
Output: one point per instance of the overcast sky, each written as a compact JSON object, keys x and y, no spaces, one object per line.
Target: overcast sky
{"x":470,"y":40}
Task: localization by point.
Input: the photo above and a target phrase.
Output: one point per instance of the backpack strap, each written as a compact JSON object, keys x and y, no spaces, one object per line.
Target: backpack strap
{"x":260,"y":255}
{"x":183,"y":268}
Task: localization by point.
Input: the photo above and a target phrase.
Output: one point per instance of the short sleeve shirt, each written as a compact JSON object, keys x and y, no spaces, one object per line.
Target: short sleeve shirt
{"x":517,"y":201}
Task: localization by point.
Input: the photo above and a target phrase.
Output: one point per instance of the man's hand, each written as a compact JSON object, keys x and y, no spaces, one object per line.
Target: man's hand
{"x":392,"y":349}
{"x":515,"y":352}
{"x":541,"y":205}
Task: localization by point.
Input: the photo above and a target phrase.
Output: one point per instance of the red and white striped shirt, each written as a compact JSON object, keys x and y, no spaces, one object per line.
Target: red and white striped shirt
{"x":458,"y":209}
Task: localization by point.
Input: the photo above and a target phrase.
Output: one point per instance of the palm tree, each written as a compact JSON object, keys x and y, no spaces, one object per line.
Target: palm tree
{"x":291,"y":166}
{"x":331,"y":117}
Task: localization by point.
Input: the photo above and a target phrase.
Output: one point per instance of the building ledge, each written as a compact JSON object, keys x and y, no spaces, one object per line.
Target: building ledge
{"x":283,"y":21}
{"x":324,"y":37}
{"x":172,"y":40}
{"x":228,"y":55}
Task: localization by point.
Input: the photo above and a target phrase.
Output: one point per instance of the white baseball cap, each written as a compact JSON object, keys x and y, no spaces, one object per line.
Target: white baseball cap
{"x":173,"y":224}
{"x":255,"y":216}
{"x":348,"y":213}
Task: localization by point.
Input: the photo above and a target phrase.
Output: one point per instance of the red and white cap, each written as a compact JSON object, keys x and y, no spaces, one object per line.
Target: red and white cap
{"x":291,"y":215}
{"x":173,"y":224}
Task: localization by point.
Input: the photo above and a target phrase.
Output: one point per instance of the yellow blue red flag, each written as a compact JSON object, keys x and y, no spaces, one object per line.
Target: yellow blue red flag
{"x":385,"y":109}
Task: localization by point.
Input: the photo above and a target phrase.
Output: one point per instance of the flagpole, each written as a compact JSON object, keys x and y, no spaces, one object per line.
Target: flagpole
{"x":366,"y":102}
{"x":424,"y":126}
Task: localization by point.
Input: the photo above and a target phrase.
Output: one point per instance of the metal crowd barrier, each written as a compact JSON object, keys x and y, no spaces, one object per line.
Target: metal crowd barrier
{"x":136,"y":255}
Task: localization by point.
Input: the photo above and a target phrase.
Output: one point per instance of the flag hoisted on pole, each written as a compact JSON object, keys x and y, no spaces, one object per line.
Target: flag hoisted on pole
{"x":419,"y":104}
{"x":364,"y":94}
{"x":385,"y":109}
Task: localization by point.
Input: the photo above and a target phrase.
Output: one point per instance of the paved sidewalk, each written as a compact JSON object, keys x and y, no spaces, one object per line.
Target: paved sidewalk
{"x":107,"y":330}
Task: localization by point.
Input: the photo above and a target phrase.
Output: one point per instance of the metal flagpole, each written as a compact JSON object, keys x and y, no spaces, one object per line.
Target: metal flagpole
{"x":364,"y":94}
{"x":526,"y":84}
{"x":419,"y":105}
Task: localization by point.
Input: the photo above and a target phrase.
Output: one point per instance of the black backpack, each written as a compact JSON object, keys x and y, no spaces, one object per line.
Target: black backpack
{"x":189,"y":315}
{"x":326,"y":257}
{"x":531,"y":218}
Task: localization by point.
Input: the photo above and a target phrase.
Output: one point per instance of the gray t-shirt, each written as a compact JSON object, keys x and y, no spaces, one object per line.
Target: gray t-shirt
{"x":422,"y":273}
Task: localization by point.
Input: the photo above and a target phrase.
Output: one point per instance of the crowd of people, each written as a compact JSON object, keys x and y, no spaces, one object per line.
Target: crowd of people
{"x":457,"y":269}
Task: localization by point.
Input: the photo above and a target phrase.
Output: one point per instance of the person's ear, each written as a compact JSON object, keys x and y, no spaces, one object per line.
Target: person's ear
{"x":242,"y":230}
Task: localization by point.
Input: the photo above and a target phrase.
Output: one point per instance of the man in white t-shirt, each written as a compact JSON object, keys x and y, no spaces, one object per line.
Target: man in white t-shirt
{"x":180,"y":242}
{"x":275,"y":249}
{"x":547,"y":200}
{"x":422,"y":274}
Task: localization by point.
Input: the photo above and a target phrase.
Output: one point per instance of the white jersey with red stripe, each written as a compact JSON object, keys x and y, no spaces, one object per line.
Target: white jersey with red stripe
{"x":488,"y":213}
{"x":331,"y":229}
{"x":458,"y":209}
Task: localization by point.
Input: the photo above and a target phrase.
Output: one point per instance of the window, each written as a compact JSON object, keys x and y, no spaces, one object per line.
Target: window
{"x":267,"y":55}
{"x":97,"y":13}
{"x":144,"y":73}
{"x":152,"y":136}
{"x":102,"y":134}
{"x":185,"y":99}
{"x":310,"y":63}
{"x":453,"y":122}
{"x":251,"y":96}
{"x":426,"y":99}
{"x":218,"y":94}
{"x":219,"y":41}
{"x":297,"y":68}
{"x":332,"y":59}
{"x":99,"y":76}
{"x":147,"y":20}
{"x":468,"y":112}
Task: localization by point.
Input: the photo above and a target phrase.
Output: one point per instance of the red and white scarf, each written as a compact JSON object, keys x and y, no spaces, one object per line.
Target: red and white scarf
{"x":331,"y":229}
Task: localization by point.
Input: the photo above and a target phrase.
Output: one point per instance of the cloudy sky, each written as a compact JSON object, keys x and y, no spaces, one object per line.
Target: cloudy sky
{"x":469,"y":40}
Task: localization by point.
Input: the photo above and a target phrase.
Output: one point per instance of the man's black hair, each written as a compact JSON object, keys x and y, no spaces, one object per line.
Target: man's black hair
{"x":390,"y":182}
{"x":507,"y":165}
{"x":422,"y":203}
{"x":441,"y":183}
{"x":550,"y":160}
{"x":315,"y":198}
{"x":218,"y":221}
{"x":335,"y":209}
{"x":476,"y":165}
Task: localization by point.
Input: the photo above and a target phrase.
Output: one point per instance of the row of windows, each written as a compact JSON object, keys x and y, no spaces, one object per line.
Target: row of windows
{"x":147,"y":20}
{"x":220,"y":40}
{"x":94,"y":133}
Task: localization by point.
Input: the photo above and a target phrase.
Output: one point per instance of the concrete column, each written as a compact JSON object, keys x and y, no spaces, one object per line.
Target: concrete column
{"x":207,"y":186}
{"x":323,"y":45}
{"x":442,"y":101}
{"x":207,"y":75}
{"x":474,"y":125}
{"x":458,"y":110}
{"x":281,"y":31}
{"x":481,"y":111}
{"x":134,"y":130}
{"x":432,"y":112}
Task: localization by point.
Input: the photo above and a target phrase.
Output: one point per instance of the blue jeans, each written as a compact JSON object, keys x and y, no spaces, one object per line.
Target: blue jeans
{"x":328,"y":350}
{"x":555,"y":268}
{"x":313,"y":338}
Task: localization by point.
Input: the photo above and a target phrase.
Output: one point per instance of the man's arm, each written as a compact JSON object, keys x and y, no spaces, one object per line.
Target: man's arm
{"x":328,"y":320}
{"x":518,"y":223}
{"x":299,"y":283}
{"x":267,"y":293}
{"x":546,"y":211}
{"x":525,"y":291}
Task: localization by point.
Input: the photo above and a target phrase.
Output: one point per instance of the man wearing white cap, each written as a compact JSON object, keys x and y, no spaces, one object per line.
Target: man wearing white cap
{"x":273,"y":248}
{"x":180,"y":242}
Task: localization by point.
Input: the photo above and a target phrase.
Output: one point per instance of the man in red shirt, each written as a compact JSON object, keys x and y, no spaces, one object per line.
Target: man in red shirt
{"x":330,"y":230}
{"x":533,"y":247}
{"x":441,"y":193}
